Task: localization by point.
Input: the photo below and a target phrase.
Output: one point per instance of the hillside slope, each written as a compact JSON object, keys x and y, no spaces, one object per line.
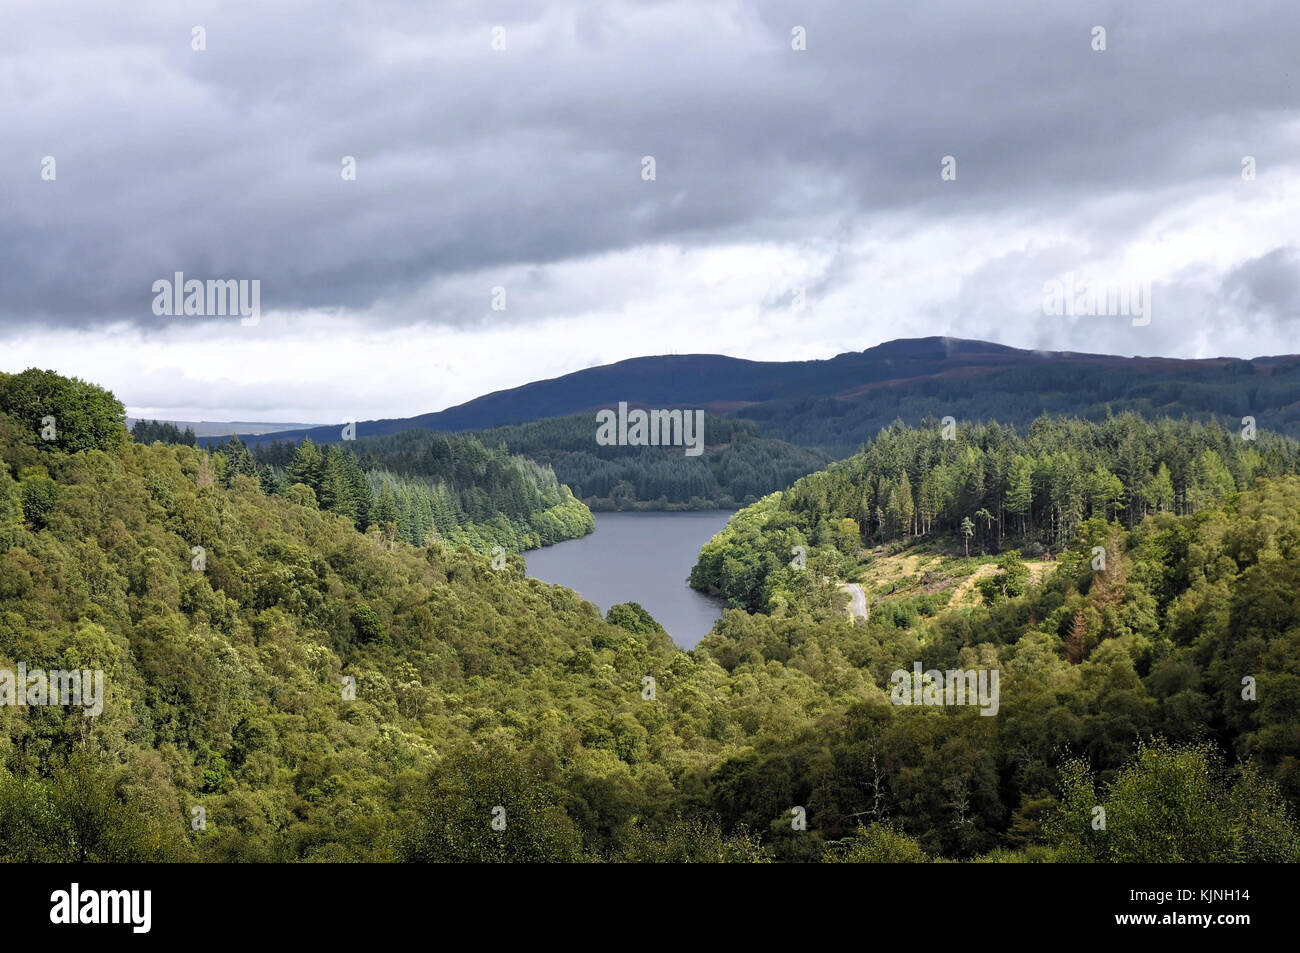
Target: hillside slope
{"x":280,"y":686}
{"x":835,"y":404}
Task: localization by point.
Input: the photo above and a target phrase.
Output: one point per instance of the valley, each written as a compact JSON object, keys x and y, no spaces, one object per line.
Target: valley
{"x":362,"y":666}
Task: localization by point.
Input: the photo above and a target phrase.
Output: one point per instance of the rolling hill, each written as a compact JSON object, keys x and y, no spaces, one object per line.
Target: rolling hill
{"x":835,"y":404}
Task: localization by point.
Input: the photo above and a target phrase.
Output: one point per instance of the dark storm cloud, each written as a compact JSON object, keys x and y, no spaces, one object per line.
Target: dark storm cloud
{"x":226,"y":162}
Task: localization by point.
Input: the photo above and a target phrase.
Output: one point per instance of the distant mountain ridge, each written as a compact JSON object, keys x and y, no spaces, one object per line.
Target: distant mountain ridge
{"x":836,"y":403}
{"x":224,"y":428}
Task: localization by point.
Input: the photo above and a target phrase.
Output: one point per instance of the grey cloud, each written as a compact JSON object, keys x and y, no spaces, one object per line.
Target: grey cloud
{"x":1267,"y":286}
{"x":225,"y":163}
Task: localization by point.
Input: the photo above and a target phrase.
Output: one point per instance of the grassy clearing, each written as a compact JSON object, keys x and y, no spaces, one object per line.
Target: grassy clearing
{"x":947,"y":580}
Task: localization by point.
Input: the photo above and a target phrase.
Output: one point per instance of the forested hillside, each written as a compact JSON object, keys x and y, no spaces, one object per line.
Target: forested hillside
{"x":149,"y":431}
{"x":913,"y":380}
{"x":835,"y":405}
{"x":308,"y":691}
{"x":738,"y":466}
{"x":986,"y":488}
{"x":772,"y":422}
{"x":464,"y":494}
{"x":1187,"y":641}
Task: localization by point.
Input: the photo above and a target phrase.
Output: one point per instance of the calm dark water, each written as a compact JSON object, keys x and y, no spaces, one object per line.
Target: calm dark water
{"x":639,"y":557}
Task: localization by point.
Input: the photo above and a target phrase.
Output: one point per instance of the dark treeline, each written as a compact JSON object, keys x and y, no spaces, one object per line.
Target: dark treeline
{"x":1222,"y":392}
{"x":470,"y":494}
{"x":149,"y":431}
{"x":738,"y":465}
{"x":987,"y":488}
{"x":911,"y":481}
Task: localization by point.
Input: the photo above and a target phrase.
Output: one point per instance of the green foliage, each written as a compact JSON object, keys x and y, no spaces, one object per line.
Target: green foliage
{"x":368,"y":626}
{"x":738,"y":467}
{"x":301,"y":494}
{"x":881,"y":843}
{"x":754,"y":561}
{"x":465,"y":494}
{"x":86,"y":417}
{"x":11,"y":509}
{"x":79,"y":813}
{"x":988,"y":488}
{"x":632,"y":617}
{"x":228,"y":686}
{"x":149,"y":431}
{"x":484,"y":806}
{"x":38,"y":496}
{"x":1173,"y":805}
{"x":692,"y":841}
{"x":1010,"y":580}
{"x":336,"y":480}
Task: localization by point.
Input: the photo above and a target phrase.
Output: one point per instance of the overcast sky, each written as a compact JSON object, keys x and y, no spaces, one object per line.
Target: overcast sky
{"x":778,"y":172}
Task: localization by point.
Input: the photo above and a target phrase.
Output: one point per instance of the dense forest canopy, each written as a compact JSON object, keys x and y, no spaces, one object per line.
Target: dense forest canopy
{"x":988,"y":486}
{"x":150,"y":431}
{"x":738,"y":466}
{"x":469,"y":494}
{"x":464,"y":493}
{"x":323,"y":693}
